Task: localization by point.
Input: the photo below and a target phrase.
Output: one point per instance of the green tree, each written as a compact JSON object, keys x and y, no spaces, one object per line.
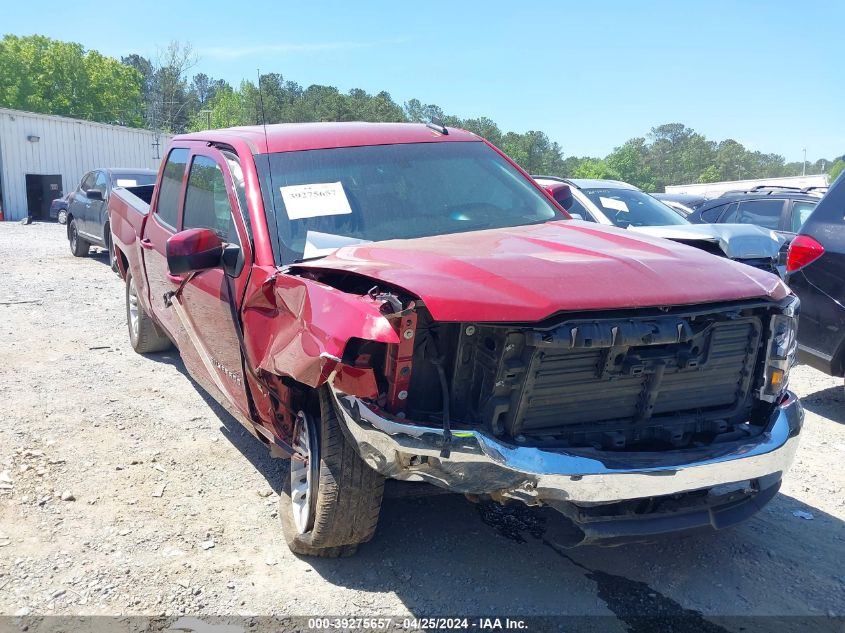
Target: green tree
{"x":40,"y":74}
{"x":173,"y":105}
{"x":419,"y":112}
{"x":227,"y":110}
{"x":710,"y":174}
{"x":570,"y":165}
{"x":485,"y":128}
{"x":836,"y":168}
{"x":667,"y":141}
{"x":592,"y":168}
{"x":534,"y":152}
{"x":631,"y":163}
{"x":731,"y":161}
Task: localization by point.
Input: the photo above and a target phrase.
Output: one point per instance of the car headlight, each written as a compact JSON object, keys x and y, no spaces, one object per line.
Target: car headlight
{"x":780,"y":351}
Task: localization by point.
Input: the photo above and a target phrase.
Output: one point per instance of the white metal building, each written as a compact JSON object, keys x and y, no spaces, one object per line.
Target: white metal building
{"x":715,"y":189}
{"x":44,"y":156}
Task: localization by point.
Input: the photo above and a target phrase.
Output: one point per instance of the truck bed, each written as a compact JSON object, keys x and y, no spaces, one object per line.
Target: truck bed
{"x":128,"y":210}
{"x":139,"y":198}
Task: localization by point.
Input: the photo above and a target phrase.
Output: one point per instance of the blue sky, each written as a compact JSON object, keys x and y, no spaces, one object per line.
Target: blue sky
{"x":589,"y":74}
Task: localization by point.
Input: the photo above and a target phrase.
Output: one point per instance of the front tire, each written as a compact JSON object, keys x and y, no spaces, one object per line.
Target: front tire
{"x":330,"y":503}
{"x":144,"y":334}
{"x":78,"y":246}
{"x":61,"y":216}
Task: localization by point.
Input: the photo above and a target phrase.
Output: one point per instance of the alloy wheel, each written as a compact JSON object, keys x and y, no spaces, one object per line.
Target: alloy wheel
{"x":133,"y":309}
{"x":304,"y":473}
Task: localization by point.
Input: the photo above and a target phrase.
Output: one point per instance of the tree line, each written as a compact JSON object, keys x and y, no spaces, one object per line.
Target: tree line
{"x":40,"y":74}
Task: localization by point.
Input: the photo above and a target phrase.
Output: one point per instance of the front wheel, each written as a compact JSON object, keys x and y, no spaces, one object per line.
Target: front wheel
{"x":330,"y":503}
{"x":144,"y":334}
{"x":61,"y":217}
{"x":78,"y":246}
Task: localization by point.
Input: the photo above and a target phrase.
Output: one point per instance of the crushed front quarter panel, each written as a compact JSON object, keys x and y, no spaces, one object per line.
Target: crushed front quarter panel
{"x":299,"y":328}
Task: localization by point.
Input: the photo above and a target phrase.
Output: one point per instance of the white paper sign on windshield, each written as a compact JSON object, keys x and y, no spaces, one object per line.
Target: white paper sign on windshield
{"x":613,"y":203}
{"x":316,"y":200}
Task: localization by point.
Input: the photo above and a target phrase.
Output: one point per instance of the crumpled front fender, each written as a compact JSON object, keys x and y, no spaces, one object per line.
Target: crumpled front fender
{"x":298,"y":327}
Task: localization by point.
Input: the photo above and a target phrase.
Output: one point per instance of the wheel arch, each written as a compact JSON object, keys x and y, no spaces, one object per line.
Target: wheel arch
{"x":122,"y":262}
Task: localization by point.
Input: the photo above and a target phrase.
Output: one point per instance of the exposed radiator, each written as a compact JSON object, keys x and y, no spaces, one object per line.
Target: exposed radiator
{"x":610,"y":383}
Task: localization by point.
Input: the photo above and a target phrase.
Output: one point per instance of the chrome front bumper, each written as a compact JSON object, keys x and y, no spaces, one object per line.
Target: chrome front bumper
{"x":481,"y":464}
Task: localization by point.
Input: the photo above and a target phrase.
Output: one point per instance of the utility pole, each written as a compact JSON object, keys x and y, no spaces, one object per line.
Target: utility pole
{"x":804,"y":164}
{"x":207,"y":118}
{"x":156,"y":144}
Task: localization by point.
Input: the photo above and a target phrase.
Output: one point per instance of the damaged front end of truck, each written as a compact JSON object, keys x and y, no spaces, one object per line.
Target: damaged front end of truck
{"x":630,"y":422}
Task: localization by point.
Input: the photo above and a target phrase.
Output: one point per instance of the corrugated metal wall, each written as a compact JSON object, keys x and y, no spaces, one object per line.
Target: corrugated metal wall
{"x":69,"y":147}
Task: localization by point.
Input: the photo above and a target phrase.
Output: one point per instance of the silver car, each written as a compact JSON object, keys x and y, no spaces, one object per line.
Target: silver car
{"x":616,"y":203}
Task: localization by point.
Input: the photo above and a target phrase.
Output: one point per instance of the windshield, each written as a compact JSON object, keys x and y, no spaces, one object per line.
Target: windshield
{"x":133,"y":180}
{"x":629,"y":207}
{"x":326,"y":198}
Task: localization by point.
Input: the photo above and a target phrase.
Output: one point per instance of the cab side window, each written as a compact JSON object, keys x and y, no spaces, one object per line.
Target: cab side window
{"x":712,"y":215}
{"x":87,"y":181}
{"x":167,"y":206}
{"x":765,"y":213}
{"x":101,"y":182}
{"x":800,"y":212}
{"x":207,"y":201}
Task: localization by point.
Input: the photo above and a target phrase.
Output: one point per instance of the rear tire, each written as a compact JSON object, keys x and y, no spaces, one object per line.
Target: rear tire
{"x":111,"y":251}
{"x":78,"y":246}
{"x":344,"y":496}
{"x":144,"y":334}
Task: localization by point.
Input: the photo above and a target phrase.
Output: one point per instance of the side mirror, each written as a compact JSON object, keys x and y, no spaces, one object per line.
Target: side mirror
{"x":94,"y":194}
{"x":561,"y":192}
{"x":194,"y":250}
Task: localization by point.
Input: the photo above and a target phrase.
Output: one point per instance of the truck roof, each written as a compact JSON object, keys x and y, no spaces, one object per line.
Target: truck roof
{"x":289,"y":137}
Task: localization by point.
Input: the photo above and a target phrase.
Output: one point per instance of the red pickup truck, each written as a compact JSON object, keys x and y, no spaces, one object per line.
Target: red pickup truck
{"x":403,"y":301}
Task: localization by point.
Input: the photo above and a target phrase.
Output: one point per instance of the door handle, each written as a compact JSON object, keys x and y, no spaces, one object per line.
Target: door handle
{"x":146,"y":243}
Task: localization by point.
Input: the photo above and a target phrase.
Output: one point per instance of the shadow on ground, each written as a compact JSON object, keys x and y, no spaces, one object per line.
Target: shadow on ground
{"x":828,"y":403}
{"x":257,"y":453}
{"x":441,"y":555}
{"x":100,"y":255}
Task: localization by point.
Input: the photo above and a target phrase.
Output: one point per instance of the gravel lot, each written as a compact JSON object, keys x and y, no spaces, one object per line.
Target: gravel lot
{"x":125,"y":490}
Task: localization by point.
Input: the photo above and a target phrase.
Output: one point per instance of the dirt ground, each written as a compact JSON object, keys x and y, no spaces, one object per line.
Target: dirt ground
{"x":126,"y":490}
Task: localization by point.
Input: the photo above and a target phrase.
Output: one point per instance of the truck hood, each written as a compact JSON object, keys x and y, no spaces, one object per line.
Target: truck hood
{"x":737,"y":241}
{"x":528,"y":273}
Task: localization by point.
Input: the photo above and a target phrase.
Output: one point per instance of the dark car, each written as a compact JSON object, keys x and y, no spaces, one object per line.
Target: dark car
{"x":87,"y":210}
{"x":683,"y":203}
{"x":58,"y":208}
{"x":816,"y":273}
{"x":781,"y":209}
